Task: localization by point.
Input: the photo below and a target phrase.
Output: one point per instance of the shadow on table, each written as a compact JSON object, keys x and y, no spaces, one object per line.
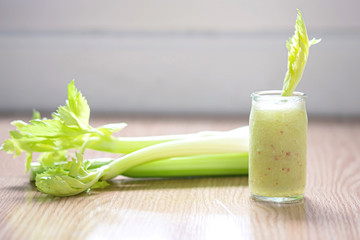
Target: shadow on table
{"x":133,"y":184}
{"x":281,"y":211}
{"x":310,"y":212}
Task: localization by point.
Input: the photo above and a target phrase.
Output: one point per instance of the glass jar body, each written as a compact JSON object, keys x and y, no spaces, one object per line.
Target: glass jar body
{"x":278,"y":146}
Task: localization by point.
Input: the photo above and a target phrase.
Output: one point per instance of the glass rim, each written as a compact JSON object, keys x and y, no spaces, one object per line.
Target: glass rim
{"x":277,"y":93}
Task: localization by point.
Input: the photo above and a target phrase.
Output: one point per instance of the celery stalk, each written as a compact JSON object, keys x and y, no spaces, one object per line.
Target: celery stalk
{"x":202,"y":165}
{"x":226,"y":143}
{"x":131,"y":144}
{"x":198,"y":165}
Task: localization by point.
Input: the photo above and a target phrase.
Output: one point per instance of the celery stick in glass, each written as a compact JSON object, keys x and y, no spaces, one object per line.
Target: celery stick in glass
{"x":298,"y":50}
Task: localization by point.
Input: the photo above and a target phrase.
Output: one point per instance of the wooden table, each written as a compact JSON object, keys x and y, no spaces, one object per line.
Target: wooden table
{"x":192,"y":208}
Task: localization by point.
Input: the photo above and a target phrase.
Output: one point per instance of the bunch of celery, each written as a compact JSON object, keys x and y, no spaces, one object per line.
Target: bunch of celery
{"x":204,"y":153}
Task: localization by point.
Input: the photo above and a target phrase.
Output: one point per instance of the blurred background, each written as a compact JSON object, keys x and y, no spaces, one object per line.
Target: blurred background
{"x":192,"y":57}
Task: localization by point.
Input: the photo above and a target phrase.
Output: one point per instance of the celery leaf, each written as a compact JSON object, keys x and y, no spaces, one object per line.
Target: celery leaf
{"x":76,"y":112}
{"x":298,"y":51}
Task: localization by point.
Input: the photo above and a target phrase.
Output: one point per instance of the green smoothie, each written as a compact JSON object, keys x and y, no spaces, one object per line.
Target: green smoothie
{"x":277,"y":153}
{"x":278,"y":129}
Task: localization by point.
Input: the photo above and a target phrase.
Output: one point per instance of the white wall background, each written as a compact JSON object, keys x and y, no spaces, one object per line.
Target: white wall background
{"x":177,"y":57}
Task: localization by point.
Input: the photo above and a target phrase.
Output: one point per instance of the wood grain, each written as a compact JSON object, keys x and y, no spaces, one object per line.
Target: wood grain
{"x":192,"y":208}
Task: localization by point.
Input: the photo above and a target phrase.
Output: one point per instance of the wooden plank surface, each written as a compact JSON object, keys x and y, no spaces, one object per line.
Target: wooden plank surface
{"x":192,"y":208}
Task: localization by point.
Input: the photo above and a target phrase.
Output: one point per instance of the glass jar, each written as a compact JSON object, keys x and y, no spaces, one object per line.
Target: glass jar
{"x":277,"y":149}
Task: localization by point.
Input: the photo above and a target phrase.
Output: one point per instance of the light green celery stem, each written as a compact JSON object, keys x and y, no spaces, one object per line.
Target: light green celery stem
{"x":203,"y":165}
{"x":198,"y":165}
{"x":131,"y":144}
{"x":225,"y":143}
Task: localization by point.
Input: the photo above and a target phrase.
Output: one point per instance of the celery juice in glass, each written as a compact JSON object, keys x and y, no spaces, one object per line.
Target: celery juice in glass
{"x":277,"y":151}
{"x":278,"y":129}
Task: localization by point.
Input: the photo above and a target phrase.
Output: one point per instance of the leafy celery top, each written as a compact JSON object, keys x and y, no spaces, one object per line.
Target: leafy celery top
{"x":298,"y":50}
